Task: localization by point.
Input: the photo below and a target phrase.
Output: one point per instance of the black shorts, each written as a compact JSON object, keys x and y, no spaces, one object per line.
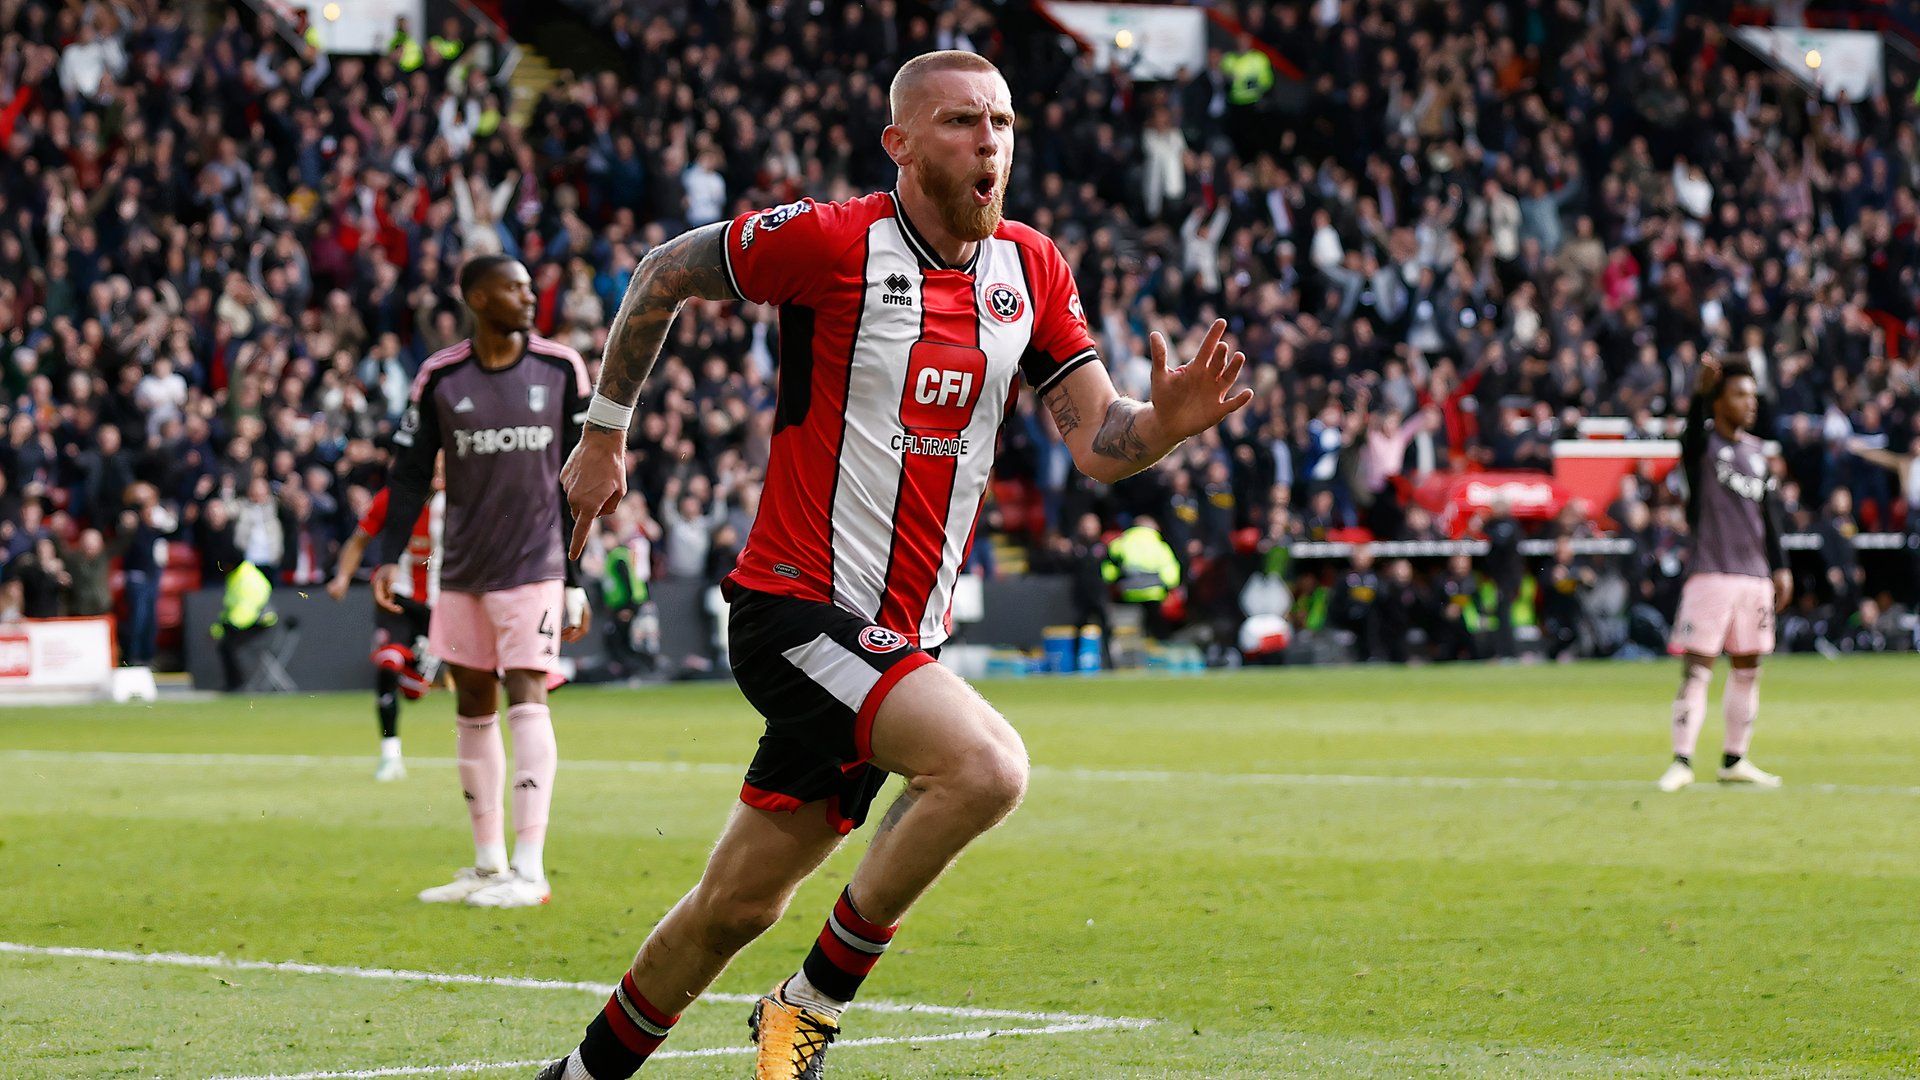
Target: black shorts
{"x":818,"y":673}
{"x":405,"y":628}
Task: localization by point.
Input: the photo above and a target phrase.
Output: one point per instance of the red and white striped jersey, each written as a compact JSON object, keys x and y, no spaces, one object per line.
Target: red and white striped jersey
{"x":896,"y":371}
{"x":419,"y":570}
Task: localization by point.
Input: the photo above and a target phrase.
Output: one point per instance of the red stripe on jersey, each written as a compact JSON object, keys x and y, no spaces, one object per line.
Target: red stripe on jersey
{"x":789,"y":550}
{"x":946,"y":377}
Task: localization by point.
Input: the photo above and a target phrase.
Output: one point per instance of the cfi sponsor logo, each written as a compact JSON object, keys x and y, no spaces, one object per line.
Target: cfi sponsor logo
{"x":1004,"y":302}
{"x":879,"y":639}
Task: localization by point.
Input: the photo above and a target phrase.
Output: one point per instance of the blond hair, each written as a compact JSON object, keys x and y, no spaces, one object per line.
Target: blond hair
{"x":914,"y":71}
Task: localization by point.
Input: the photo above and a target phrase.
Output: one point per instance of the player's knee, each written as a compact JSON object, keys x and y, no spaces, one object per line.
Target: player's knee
{"x":993,"y":778}
{"x":732,"y":920}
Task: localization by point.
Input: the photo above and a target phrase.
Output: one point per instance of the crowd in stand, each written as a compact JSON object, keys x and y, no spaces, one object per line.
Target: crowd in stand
{"x":1465,"y":227}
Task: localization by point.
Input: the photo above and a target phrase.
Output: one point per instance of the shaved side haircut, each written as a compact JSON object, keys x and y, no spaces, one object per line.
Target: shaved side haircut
{"x":907,"y":80}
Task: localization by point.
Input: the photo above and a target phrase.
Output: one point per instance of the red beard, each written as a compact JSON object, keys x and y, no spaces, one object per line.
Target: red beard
{"x":952,"y":195}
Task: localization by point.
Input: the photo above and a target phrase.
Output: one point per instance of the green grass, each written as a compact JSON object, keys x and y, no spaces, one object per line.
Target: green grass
{"x":1175,"y":859}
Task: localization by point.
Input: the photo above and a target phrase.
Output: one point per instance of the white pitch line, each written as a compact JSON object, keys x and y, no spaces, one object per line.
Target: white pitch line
{"x":1534,"y":783}
{"x":172,"y":959}
{"x":709,"y":1051}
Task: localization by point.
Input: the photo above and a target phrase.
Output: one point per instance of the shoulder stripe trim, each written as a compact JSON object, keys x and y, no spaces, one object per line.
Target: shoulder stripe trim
{"x":549,"y":347}
{"x":1084,"y":356}
{"x":445,"y":358}
{"x":726,"y":258}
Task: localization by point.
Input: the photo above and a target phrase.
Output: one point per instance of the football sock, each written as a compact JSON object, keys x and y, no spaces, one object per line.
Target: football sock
{"x":1690,"y":709}
{"x":619,"y":1040}
{"x":535,"y":758}
{"x":390,"y":747}
{"x":1742,"y":705}
{"x":843,"y":954}
{"x":1728,"y":761}
{"x":1684,"y":760}
{"x":387,"y":698}
{"x":483,"y":772}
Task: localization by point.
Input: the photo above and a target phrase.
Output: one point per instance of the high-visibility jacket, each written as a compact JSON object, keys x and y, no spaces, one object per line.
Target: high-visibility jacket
{"x":245,"y":604}
{"x":1141,"y":565}
{"x":1249,"y":76}
{"x":411,"y":54}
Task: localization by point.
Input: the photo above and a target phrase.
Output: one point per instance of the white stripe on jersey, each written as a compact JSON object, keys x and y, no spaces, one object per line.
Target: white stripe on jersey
{"x":869,"y":481}
{"x":835,"y":669}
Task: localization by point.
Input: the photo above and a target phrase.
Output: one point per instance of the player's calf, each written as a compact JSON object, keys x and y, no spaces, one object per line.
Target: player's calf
{"x":724,"y":921}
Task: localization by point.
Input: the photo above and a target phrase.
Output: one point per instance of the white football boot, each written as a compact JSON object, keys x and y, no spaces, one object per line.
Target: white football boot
{"x":1746,"y":772}
{"x":511,"y":890}
{"x":1676,"y":777}
{"x":390,"y":769}
{"x":468,"y":881}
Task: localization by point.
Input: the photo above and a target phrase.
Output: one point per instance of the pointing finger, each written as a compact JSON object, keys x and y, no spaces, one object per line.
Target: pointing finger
{"x":581,"y":526}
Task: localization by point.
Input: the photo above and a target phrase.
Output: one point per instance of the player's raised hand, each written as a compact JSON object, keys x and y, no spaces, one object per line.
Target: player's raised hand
{"x":595,"y":480}
{"x":1708,"y":376}
{"x":383,"y":587}
{"x":1188,"y":400}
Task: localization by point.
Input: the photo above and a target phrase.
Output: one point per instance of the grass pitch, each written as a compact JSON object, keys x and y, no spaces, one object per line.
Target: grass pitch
{"x":1358,"y":872}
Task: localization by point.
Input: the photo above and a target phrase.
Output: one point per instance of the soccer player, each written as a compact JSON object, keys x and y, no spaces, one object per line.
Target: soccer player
{"x":501,"y":405}
{"x":1737,"y":576}
{"x":905,"y":318}
{"x":403,"y":664}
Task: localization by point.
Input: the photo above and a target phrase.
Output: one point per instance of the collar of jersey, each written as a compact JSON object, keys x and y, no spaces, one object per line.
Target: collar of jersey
{"x":929,"y":258}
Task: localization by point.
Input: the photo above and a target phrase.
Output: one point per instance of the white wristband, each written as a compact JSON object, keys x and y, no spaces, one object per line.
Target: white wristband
{"x":605,"y":412}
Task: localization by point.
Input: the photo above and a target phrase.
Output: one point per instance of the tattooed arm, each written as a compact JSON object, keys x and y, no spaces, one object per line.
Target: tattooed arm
{"x":1113,"y":437}
{"x":690,"y":265}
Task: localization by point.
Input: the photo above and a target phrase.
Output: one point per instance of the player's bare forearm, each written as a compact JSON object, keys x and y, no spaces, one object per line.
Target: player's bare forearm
{"x":1132,"y":435}
{"x":691,"y":265}
{"x":1886,"y":459}
{"x":1126,"y":440}
{"x":352,"y":552}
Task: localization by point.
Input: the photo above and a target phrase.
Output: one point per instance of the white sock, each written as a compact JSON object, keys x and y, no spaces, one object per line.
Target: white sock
{"x":576,"y":1069}
{"x":490,"y":857}
{"x":527,"y":860}
{"x":798,"y":991}
{"x":390,"y":748}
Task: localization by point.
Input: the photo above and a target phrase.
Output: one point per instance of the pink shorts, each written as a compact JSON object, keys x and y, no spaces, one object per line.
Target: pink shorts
{"x":515,"y":629}
{"x":1724,"y":613}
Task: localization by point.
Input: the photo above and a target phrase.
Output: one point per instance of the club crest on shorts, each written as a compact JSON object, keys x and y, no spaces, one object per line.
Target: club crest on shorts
{"x":879,"y":639}
{"x":1004,"y":302}
{"x":537,"y":398}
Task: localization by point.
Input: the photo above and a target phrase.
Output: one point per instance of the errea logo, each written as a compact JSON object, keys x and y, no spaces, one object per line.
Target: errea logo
{"x":898,"y":292}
